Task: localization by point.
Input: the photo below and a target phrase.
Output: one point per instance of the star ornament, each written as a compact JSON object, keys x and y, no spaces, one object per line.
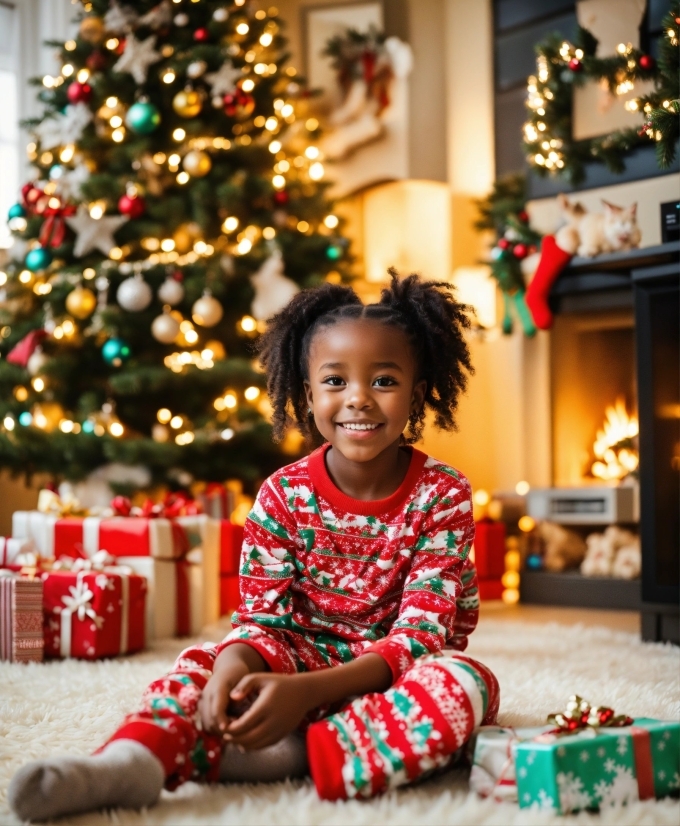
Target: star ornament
{"x":137,"y":57}
{"x":119,"y":19}
{"x":159,"y":16}
{"x":94,"y":233}
{"x":223,"y":81}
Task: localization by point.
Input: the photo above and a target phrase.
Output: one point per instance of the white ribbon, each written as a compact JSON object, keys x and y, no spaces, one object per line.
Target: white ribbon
{"x":78,"y":603}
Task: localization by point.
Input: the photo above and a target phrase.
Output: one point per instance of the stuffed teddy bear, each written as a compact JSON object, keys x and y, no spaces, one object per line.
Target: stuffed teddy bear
{"x":564,"y":549}
{"x":616,"y":552}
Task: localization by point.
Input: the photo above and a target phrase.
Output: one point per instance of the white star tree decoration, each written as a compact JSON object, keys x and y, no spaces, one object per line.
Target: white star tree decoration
{"x":160,"y":15}
{"x":94,"y":233}
{"x":223,"y":81}
{"x":137,"y":57}
{"x":119,"y":19}
{"x":63,"y":129}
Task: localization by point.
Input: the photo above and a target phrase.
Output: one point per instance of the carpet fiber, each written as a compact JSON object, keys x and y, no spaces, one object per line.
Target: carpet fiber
{"x":71,"y":706}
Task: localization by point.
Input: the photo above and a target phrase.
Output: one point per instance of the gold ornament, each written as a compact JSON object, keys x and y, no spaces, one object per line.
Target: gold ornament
{"x":47,"y":415}
{"x":197,"y":163}
{"x":187,"y":103}
{"x":185,"y":235}
{"x":92,"y":29}
{"x":81,"y":302}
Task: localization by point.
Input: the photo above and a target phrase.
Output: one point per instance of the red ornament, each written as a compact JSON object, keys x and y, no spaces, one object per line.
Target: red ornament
{"x":79,"y":92}
{"x":647,"y":62}
{"x":575,"y":65}
{"x":121,"y":505}
{"x":201,"y":35}
{"x":230,"y":105}
{"x":281,"y":197}
{"x":96,"y":61}
{"x":523,"y":216}
{"x":503,"y":243}
{"x":178,"y":275}
{"x":134,"y":207}
{"x":520,"y":251}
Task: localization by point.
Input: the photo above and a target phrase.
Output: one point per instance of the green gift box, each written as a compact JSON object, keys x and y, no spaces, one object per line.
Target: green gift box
{"x":593,"y":768}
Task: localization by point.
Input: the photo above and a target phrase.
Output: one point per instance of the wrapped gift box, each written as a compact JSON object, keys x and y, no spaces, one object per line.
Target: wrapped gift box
{"x":15,"y":551}
{"x":231,"y":541}
{"x":91,"y":614}
{"x":489,"y":548}
{"x":21,"y":619}
{"x":490,"y":588}
{"x":55,"y":536}
{"x":588,"y":769}
{"x":230,"y":596}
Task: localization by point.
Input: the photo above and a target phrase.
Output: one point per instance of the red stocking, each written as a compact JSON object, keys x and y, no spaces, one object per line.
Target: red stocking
{"x":553,"y":260}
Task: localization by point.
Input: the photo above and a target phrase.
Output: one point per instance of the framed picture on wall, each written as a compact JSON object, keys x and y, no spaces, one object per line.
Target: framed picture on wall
{"x":362,"y":76}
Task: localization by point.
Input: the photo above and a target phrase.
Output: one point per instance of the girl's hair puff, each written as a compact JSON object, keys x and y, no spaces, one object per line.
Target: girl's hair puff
{"x":426,"y":311}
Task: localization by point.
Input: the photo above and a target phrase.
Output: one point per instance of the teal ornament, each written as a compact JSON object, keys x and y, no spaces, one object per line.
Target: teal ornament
{"x":497,"y":254}
{"x":38,"y":259}
{"x":534,"y":562}
{"x":115,"y":351}
{"x":334,"y":252}
{"x":143,"y":118}
{"x":25,"y":418}
{"x":16,"y":211}
{"x":88,"y":426}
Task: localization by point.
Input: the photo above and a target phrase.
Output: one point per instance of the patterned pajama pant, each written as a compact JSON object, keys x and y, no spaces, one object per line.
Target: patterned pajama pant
{"x":374,"y":743}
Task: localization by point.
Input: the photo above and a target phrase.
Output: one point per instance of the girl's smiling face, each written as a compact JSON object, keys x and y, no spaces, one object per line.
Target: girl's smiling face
{"x":362,"y":386}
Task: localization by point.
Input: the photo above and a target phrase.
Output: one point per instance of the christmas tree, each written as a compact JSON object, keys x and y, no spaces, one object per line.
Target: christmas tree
{"x":178,"y":201}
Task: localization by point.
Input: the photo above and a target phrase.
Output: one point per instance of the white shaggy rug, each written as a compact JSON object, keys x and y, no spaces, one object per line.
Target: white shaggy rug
{"x":71,"y":706}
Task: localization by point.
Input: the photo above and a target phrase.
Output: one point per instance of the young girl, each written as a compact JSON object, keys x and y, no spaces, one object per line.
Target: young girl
{"x":357,"y":590}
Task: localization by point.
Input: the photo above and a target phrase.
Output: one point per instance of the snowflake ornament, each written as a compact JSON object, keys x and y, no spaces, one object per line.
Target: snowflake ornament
{"x":64,"y":128}
{"x":137,"y":57}
{"x":223,"y":81}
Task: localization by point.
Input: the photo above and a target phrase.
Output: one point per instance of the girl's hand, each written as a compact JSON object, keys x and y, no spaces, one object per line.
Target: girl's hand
{"x":231,"y":666}
{"x":278,"y":709}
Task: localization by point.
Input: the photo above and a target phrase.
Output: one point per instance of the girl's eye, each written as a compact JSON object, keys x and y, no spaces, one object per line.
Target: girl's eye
{"x":334,"y":381}
{"x":384,"y":381}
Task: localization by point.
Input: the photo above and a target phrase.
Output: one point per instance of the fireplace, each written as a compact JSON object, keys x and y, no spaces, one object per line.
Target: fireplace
{"x":614,"y":357}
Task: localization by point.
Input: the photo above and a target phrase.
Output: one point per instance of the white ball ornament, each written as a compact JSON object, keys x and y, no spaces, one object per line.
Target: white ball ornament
{"x":134,"y":294}
{"x":165,"y":328}
{"x":170,"y":292}
{"x":181,"y":19}
{"x":220,"y":15}
{"x":196,"y":68}
{"x":36,"y":362}
{"x":207,"y":311}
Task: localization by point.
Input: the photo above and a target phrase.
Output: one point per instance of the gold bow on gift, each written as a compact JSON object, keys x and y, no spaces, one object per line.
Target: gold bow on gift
{"x":51,"y":502}
{"x":581,"y":715}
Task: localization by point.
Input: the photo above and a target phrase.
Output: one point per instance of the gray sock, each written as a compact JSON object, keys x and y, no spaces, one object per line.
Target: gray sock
{"x":287,"y":758}
{"x":125,"y":774}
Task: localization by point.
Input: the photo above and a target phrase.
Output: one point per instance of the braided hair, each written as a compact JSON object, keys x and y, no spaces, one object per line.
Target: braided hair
{"x":426,"y":311}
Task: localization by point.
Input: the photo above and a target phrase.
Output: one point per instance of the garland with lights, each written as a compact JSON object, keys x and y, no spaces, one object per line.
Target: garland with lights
{"x":504,"y":212}
{"x":561,"y":66}
{"x":178,"y":201}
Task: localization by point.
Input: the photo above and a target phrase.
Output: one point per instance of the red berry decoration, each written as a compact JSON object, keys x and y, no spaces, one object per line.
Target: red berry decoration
{"x":79,"y":92}
{"x":96,"y":61}
{"x":503,"y":243}
{"x":281,"y":197}
{"x":121,"y":505}
{"x":647,"y":62}
{"x":520,"y":251}
{"x":178,"y":275}
{"x":575,"y":65}
{"x":523,"y":216}
{"x":201,"y":35}
{"x":134,"y":207}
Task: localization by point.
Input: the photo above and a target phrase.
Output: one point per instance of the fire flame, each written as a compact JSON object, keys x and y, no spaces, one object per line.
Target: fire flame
{"x":614,"y":450}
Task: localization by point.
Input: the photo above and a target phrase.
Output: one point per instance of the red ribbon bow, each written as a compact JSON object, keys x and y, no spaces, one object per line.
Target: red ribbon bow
{"x":53,"y":230}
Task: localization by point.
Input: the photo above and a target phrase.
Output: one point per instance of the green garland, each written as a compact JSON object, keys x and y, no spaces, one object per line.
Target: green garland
{"x":561,"y":66}
{"x":503,"y":211}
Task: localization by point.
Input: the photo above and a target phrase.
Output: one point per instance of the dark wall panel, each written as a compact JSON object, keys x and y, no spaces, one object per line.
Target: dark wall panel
{"x":510,"y":13}
{"x":515,"y":56}
{"x":509,"y":113}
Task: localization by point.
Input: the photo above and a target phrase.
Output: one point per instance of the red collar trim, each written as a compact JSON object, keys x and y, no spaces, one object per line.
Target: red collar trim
{"x":372,"y":507}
